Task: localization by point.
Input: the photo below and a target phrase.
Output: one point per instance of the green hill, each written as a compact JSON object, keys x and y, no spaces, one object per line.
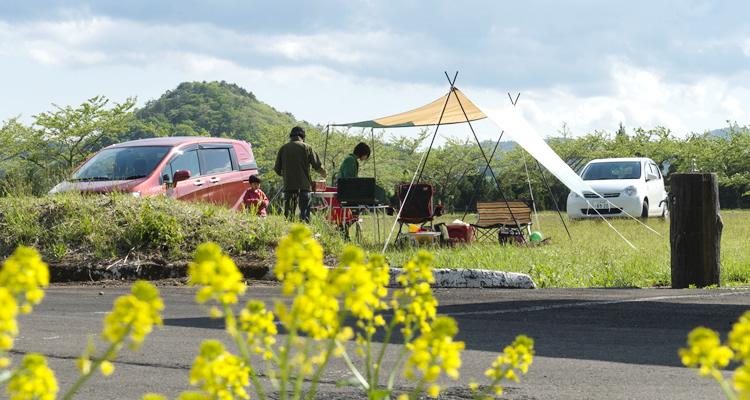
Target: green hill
{"x":208,"y":109}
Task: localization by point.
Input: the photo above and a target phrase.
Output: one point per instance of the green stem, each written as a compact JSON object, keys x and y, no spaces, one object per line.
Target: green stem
{"x":383,"y":347}
{"x":321,"y":368}
{"x":301,"y":372}
{"x":284,"y":362}
{"x":484,"y":392}
{"x":233,"y":331}
{"x":397,"y":366}
{"x":728,"y":392}
{"x":355,"y":371}
{"x":417,"y":390}
{"x":111,"y":350}
{"x":368,"y":361}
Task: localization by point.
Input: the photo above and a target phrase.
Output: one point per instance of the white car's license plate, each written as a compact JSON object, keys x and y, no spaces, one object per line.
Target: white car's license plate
{"x":601,"y":205}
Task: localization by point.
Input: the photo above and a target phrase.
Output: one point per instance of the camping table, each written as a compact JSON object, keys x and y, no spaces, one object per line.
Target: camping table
{"x":378,"y":211}
{"x":323,"y":196}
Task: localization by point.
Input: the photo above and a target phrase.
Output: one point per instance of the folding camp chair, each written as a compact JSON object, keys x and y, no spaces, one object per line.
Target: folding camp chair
{"x":502,"y":221}
{"x":417,"y":209}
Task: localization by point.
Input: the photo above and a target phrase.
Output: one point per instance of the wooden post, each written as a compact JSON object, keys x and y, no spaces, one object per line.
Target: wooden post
{"x":695,"y":230}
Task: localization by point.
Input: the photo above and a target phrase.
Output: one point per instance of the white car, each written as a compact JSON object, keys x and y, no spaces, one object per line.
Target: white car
{"x":629,"y":185}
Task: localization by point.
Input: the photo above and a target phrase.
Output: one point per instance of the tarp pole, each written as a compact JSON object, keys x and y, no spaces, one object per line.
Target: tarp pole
{"x":500,"y":189}
{"x":476,"y":188}
{"x":552,"y":196}
{"x":422,"y":162}
{"x":372,"y":154}
{"x":325,"y":149}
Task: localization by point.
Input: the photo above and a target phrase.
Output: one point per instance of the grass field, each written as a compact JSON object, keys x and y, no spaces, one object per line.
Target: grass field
{"x":595,"y":257}
{"x":94,"y":230}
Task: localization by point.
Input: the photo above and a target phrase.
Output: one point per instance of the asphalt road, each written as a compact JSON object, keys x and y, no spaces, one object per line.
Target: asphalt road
{"x":590,"y":343}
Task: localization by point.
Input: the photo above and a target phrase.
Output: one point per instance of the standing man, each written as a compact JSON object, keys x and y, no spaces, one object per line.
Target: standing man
{"x":293,"y":163}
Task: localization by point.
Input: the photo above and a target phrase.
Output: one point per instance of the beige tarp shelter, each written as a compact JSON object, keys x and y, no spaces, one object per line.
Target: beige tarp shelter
{"x":455,"y":107}
{"x":429,"y":114}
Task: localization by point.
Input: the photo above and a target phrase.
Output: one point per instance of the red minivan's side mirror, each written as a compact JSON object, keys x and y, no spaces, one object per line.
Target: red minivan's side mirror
{"x":180,"y":175}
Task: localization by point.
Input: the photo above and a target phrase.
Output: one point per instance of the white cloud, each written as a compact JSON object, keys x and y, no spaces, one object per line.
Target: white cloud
{"x":640,"y":98}
{"x":318,"y":77}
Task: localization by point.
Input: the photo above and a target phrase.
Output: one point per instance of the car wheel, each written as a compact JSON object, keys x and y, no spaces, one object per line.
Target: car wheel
{"x":644,"y":210}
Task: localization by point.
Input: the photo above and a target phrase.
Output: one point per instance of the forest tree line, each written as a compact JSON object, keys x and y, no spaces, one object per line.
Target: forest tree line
{"x":38,"y":154}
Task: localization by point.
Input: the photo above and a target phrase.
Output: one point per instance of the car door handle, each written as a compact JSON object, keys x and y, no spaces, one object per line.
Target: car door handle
{"x":198,"y":183}
{"x":214,"y":180}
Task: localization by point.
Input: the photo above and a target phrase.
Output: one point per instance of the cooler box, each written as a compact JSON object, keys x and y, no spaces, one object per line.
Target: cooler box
{"x":461,"y":233}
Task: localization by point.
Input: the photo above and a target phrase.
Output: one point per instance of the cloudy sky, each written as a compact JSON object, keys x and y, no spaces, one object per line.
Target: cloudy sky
{"x":587,"y":64}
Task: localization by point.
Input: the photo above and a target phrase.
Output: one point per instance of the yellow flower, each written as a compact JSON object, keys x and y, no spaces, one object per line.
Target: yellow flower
{"x":33,"y":380}
{"x":741,"y":380}
{"x":299,"y":258}
{"x":516,"y":358}
{"x":25,"y":274}
{"x":705,"y":352}
{"x":219,"y":277}
{"x":107,"y":368}
{"x":739,"y":337}
{"x":315,"y":309}
{"x":153,"y":396}
{"x":134,"y":315}
{"x":433,"y":391}
{"x":218,"y":373}
{"x":194,"y":396}
{"x":435,"y":352}
{"x":362,"y":284}
{"x":84,"y":365}
{"x":414,"y":305}
{"x":8,"y":323}
{"x":258,"y":324}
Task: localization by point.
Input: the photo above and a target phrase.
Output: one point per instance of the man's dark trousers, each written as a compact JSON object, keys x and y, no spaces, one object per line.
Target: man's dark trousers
{"x":295,"y":198}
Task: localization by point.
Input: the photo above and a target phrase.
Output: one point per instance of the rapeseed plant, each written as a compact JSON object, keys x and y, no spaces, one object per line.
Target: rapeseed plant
{"x":706,"y":353}
{"x":316,"y":302}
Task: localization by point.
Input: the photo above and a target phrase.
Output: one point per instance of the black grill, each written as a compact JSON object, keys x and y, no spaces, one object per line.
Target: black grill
{"x":606,"y":195}
{"x":610,"y":211}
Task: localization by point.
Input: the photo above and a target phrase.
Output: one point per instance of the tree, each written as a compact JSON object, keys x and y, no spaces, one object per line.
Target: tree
{"x":64,"y":138}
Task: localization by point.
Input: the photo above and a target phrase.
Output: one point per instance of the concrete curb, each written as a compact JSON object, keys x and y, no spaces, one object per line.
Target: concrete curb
{"x":473,"y":278}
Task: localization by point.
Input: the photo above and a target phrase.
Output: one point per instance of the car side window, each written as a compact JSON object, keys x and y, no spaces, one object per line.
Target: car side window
{"x":216,"y":161}
{"x":187,"y":161}
{"x":656,"y":169}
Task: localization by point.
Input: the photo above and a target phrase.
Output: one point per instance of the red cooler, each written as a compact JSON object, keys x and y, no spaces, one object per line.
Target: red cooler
{"x":460,"y":233}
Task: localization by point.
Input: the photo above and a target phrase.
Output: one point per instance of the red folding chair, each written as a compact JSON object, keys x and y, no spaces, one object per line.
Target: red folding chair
{"x":417,"y":207}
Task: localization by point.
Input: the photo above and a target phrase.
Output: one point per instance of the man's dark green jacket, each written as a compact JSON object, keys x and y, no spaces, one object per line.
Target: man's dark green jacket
{"x":293,"y":163}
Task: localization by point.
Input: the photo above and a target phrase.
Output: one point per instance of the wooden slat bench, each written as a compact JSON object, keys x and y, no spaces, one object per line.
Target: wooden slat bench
{"x":500,"y":217}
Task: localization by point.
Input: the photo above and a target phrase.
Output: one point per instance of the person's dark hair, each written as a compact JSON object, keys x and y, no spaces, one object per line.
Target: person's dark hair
{"x":361,"y":149}
{"x":297,"y":131}
{"x":253,"y":179}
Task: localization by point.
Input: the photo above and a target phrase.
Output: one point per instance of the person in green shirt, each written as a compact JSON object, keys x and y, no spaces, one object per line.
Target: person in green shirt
{"x":350,"y":166}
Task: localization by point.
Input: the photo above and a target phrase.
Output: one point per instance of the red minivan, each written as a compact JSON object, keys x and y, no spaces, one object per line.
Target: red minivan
{"x":192,"y":168}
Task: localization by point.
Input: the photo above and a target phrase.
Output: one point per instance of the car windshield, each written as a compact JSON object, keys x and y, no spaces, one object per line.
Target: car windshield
{"x":121,"y":163}
{"x":612,"y":170}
